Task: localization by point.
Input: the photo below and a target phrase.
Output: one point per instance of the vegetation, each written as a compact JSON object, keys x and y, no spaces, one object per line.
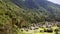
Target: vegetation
{"x":14,"y":17}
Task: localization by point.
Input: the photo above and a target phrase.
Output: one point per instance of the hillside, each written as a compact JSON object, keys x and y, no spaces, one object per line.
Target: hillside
{"x":15,"y":14}
{"x":12,"y":17}
{"x":52,"y":9}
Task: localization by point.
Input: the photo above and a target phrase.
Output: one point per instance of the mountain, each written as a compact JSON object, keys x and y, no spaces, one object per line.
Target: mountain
{"x":15,"y":14}
{"x":52,"y":8}
{"x":13,"y":17}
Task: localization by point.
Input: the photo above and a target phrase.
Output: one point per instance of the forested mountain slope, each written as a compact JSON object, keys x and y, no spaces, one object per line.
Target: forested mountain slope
{"x":52,"y":8}
{"x":12,"y":16}
{"x":15,"y":14}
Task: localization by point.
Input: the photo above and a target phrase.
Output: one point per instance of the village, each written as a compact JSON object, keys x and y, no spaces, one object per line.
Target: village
{"x":47,"y":28}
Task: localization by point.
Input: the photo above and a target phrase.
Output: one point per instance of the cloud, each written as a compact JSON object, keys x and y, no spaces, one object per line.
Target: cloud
{"x":55,"y":1}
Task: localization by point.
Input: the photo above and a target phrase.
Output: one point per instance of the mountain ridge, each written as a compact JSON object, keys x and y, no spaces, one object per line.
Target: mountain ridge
{"x":40,"y":4}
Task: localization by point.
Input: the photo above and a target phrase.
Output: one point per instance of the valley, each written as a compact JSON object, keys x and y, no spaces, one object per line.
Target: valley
{"x":29,"y":17}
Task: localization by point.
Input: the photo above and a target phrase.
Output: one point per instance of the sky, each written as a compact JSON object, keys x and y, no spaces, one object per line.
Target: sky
{"x":55,"y":1}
